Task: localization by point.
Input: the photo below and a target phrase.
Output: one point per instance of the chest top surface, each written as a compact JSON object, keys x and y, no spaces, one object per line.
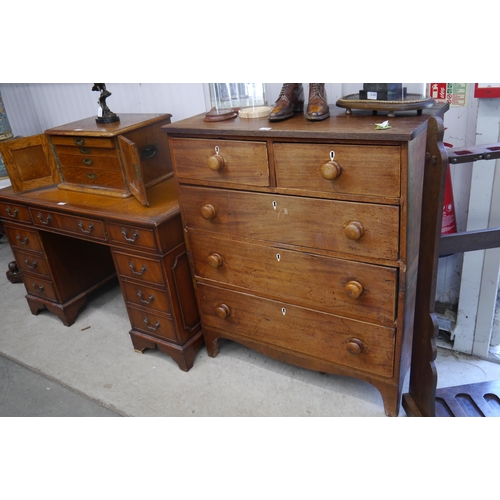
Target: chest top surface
{"x":339,"y":126}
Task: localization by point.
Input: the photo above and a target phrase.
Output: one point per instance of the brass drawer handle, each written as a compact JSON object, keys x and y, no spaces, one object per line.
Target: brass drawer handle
{"x":353,"y":289}
{"x":134,"y":236}
{"x":23,"y":242}
{"x":149,"y":151}
{"x":12,"y":214}
{"x":92,"y":176}
{"x":152,"y":327}
{"x":37,"y":288}
{"x":46,"y":221}
{"x":31,"y":266}
{"x":355,"y":346}
{"x":87,"y":231}
{"x":141,"y":271}
{"x":88,"y":161}
{"x":79,"y":142}
{"x":148,"y":301}
{"x":85,"y":151}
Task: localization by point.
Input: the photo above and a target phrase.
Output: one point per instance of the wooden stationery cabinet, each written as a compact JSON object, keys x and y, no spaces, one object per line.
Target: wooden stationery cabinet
{"x":303,"y":238}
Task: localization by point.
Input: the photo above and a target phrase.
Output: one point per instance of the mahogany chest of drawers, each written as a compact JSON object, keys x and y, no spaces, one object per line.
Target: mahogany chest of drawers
{"x":303,"y":238}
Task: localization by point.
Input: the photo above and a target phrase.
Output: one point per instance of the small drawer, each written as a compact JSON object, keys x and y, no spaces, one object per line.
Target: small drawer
{"x":347,"y":288}
{"x":91,"y":142}
{"x":356,"y":230}
{"x":16,"y":213}
{"x":95,"y":177}
{"x":90,"y":228}
{"x":139,"y":268}
{"x":221,"y":161}
{"x":90,"y":162}
{"x":142,"y":295}
{"x":39,"y":287}
{"x":137,"y":237}
{"x":25,"y":239}
{"x":152,"y":324}
{"x":339,"y":169}
{"x":32,"y":263}
{"x":334,"y":339}
{"x":85,"y":151}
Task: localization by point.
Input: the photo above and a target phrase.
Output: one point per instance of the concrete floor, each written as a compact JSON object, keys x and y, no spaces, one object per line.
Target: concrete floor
{"x":91,"y":369}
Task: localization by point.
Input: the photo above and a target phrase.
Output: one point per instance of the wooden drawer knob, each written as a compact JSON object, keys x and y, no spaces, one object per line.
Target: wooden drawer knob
{"x":353,"y":289}
{"x":215,"y":260}
{"x":215,"y":162}
{"x":355,"y":346}
{"x":330,"y":170}
{"x":354,"y":230}
{"x":223,"y":311}
{"x":208,"y":211}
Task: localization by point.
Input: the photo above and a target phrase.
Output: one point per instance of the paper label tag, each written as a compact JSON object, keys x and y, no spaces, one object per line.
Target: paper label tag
{"x":99,"y":112}
{"x":371,"y":95}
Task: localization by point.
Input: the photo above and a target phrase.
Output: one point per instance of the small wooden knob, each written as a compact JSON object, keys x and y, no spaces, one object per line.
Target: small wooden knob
{"x":208,"y":211}
{"x":354,"y":230}
{"x":223,"y":311}
{"x":331,"y":170}
{"x":353,"y":289}
{"x":215,"y":260}
{"x":215,"y":162}
{"x":354,"y":346}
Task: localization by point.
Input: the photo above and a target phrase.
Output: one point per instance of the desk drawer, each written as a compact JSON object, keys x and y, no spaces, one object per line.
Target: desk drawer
{"x":16,"y":213}
{"x":132,"y":236}
{"x":364,"y":170}
{"x":237,"y":162}
{"x":334,"y":339}
{"x":139,"y":268}
{"x":26,"y":239}
{"x":85,"y":151}
{"x":30,"y":263}
{"x":341,"y":287}
{"x":90,"y":228}
{"x":354,"y":229}
{"x":152,"y":324}
{"x":39,"y":287}
{"x":142,"y":295}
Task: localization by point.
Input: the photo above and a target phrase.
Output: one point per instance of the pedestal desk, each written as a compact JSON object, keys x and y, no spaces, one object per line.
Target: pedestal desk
{"x":303,"y":237}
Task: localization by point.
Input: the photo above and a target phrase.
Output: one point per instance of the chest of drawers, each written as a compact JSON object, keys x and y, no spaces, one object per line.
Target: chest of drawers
{"x":303,"y":238}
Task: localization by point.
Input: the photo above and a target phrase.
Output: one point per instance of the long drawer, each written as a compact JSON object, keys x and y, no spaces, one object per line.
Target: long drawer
{"x":361,"y":170}
{"x":359,"y":345}
{"x":354,"y":229}
{"x":347,"y":288}
{"x":91,"y":228}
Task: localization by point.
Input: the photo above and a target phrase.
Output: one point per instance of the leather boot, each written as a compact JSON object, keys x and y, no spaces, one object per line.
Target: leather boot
{"x":317,"y":107}
{"x":290,"y":101}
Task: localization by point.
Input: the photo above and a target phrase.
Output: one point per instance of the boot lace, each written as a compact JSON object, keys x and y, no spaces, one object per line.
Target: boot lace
{"x":285,"y":90}
{"x":316,"y":89}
